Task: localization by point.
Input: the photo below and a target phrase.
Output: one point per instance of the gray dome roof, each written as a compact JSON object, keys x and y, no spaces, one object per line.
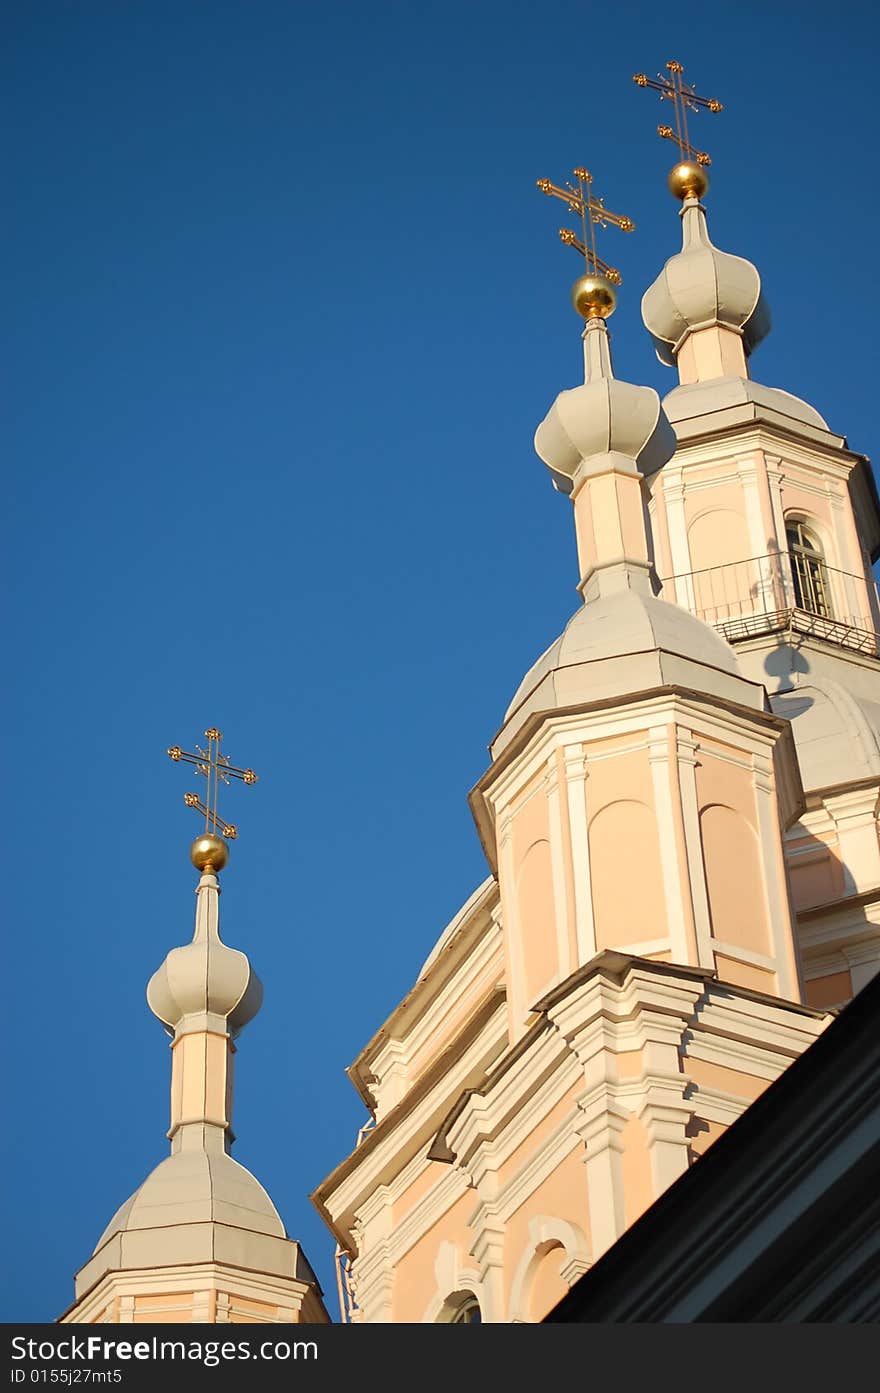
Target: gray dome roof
{"x":836,"y":733}
{"x":192,"y":1187}
{"x":701,"y":398}
{"x":620,"y":626}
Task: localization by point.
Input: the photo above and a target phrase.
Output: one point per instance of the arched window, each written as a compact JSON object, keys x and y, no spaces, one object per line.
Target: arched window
{"x":808,"y":574}
{"x":467,"y":1312}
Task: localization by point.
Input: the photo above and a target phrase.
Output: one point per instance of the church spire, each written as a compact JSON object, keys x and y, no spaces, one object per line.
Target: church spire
{"x":705,"y":312}
{"x":200,"y":1237}
{"x":600,"y":439}
{"x":205,"y":992}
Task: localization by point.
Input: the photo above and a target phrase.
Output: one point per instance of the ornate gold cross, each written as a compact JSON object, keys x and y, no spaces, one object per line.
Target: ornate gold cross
{"x":684,"y":99}
{"x":216,"y":769}
{"x":592,"y":213}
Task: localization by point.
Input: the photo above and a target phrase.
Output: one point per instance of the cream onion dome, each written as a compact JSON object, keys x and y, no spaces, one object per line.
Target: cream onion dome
{"x":700,"y":287}
{"x":604,"y":416}
{"x":205,"y":979}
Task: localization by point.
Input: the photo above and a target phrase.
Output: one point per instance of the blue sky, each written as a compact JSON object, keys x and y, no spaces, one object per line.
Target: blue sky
{"x":285,"y":310}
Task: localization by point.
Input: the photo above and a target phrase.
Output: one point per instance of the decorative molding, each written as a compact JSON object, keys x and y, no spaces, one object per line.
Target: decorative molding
{"x":547,"y":1232}
{"x":662,"y":746}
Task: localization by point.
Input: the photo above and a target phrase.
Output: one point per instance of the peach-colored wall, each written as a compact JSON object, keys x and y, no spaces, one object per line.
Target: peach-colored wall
{"x":833,"y":990}
{"x":627,"y":908}
{"x":583,"y":524}
{"x":424,"y":1181}
{"x":415,"y":1284}
{"x":563,"y":1194}
{"x":547,"y":1285}
{"x":162,"y":1300}
{"x":543,"y":1128}
{"x":815,"y":878}
{"x":702,"y":1071}
{"x":629,"y":1064}
{"x":804,"y":502}
{"x":731,"y":856}
{"x":731,"y":853}
{"x":703,"y":1133}
{"x":636,"y":1167}
{"x":631,"y":509}
{"x":758,"y":979}
{"x":719,"y":534}
{"x":534,"y":891}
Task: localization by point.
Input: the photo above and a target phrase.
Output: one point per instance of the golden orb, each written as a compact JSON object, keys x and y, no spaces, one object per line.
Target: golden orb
{"x":688,"y":180}
{"x":209,"y":852}
{"x":593,"y":297}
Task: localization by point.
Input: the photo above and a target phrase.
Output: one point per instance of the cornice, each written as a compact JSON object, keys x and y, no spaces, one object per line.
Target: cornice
{"x":431,"y":984}
{"x":843,"y":906}
{"x":748,"y":420}
{"x":550,"y":725}
{"x":408,"y":1126}
{"x":735,"y":1229}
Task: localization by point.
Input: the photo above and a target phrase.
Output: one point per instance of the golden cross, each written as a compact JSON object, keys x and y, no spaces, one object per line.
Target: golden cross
{"x":684,"y":99}
{"x":216,"y":769}
{"x":592,"y":213}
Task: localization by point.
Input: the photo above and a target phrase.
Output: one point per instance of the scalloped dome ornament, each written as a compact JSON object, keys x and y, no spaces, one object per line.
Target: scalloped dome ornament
{"x":700,"y":287}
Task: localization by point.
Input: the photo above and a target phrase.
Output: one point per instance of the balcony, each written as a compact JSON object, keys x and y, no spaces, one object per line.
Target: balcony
{"x":782,"y":592}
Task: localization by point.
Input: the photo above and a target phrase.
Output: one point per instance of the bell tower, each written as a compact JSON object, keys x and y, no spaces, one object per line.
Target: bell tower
{"x":635,"y":735}
{"x":766,"y":524}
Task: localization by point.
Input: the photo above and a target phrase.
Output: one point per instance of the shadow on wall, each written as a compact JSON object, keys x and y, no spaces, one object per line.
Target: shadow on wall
{"x":785,"y":665}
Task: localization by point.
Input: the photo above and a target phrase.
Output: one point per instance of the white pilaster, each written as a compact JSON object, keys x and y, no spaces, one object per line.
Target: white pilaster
{"x":693,"y":840}
{"x":672,"y":484}
{"x":675,"y":892}
{"x":576,"y":786}
{"x":773,"y":876}
{"x":557,"y":864}
{"x":600,"y":1127}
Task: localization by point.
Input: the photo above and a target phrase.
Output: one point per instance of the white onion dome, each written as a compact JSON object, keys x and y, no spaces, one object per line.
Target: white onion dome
{"x":205,"y":978}
{"x":701,"y":287}
{"x":604,"y":416}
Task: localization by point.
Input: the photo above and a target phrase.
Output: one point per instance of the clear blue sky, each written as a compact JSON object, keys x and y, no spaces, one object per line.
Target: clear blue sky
{"x":285,"y":310}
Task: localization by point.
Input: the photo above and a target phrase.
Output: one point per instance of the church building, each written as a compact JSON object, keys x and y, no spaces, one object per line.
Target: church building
{"x":679,"y":819}
{"x":680,"y":822}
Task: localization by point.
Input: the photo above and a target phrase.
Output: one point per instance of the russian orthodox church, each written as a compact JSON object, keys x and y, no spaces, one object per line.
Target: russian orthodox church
{"x":679,"y":818}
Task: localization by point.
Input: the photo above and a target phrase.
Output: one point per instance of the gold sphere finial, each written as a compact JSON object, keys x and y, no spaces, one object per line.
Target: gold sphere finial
{"x":209,"y":852}
{"x":688,"y":179}
{"x":593,"y":296}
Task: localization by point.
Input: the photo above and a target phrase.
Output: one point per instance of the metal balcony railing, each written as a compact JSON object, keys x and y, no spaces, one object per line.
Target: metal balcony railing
{"x":782,"y":591}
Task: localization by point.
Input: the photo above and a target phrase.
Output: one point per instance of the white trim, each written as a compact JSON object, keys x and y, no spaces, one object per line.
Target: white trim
{"x":546,"y":1232}
{"x":512,"y":927}
{"x":564,"y":965}
{"x":662,"y":741}
{"x":539,"y":1166}
{"x":413,"y":1131}
{"x":718,"y":1105}
{"x":686,"y":756}
{"x":576,"y":775}
{"x":772,"y":861}
{"x":744,"y":955}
